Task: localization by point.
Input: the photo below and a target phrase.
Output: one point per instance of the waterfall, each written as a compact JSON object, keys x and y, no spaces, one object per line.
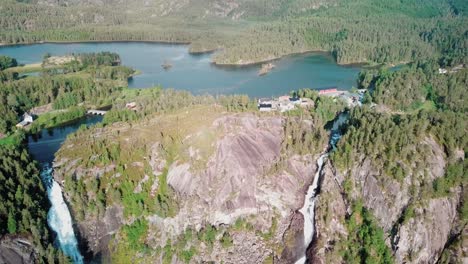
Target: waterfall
{"x":308,"y":210}
{"x":59,"y":217}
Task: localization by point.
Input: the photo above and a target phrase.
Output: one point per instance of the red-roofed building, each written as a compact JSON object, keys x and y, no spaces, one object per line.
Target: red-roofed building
{"x":328,"y":91}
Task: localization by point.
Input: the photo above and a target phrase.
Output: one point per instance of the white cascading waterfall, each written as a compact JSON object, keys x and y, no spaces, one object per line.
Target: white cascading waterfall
{"x":59,"y":218}
{"x":308,"y":210}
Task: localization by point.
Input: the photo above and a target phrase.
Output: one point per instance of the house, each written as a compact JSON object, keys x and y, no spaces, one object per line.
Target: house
{"x":442,"y":71}
{"x":131,"y":106}
{"x":27,"y":119}
{"x":307,"y":102}
{"x":265,"y":108}
{"x":328,"y":91}
{"x":265,"y":104}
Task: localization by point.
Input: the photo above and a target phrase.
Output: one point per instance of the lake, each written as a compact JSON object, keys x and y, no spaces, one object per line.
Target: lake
{"x":197,"y":74}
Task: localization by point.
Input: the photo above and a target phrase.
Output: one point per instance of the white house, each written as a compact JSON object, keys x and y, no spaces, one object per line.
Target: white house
{"x":27,"y":119}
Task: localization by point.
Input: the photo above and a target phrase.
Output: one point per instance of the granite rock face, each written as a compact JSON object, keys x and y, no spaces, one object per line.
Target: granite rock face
{"x":420,"y":239}
{"x":238,"y":182}
{"x":16,"y":250}
{"x":241,"y":173}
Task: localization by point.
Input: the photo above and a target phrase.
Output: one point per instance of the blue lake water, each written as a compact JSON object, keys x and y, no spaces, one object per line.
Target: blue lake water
{"x":44,"y":145}
{"x":197,"y":74}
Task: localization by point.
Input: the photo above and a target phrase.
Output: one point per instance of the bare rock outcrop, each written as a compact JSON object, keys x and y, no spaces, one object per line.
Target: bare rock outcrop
{"x":423,"y":237}
{"x":96,"y":232}
{"x":330,"y":216}
{"x":420,"y":238}
{"x":240,"y":180}
{"x":225,"y":168}
{"x":16,"y":250}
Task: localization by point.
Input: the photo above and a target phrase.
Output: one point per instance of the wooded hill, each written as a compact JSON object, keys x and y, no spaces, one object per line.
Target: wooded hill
{"x":249,"y":31}
{"x":92,"y":79}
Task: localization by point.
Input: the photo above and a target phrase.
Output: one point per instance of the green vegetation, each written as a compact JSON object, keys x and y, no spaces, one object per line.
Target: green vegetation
{"x":418,"y":103}
{"x":13,"y":139}
{"x":53,"y":119}
{"x":7,"y":62}
{"x":23,"y":203}
{"x":377,"y":31}
{"x":135,"y":232}
{"x":455,"y":175}
{"x":93,"y":83}
{"x":410,"y":88}
{"x":409,"y":113}
{"x":365,"y":242}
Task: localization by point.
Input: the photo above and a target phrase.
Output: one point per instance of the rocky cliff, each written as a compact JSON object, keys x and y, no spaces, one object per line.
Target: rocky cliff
{"x":231,"y":188}
{"x":200,"y":186}
{"x":16,"y":250}
{"x":417,"y":226}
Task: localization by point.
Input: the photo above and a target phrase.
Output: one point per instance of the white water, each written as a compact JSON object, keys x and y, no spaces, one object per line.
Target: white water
{"x":59,"y":218}
{"x":308,"y":210}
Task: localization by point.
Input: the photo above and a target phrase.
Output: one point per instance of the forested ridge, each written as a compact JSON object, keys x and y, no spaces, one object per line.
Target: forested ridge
{"x":373,"y":31}
{"x":411,"y":116}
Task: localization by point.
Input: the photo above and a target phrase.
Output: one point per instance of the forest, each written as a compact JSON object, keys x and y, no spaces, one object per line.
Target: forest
{"x":364,"y":31}
{"x":406,"y":111}
{"x":24,"y":204}
{"x":407,"y":107}
{"x":90,"y":79}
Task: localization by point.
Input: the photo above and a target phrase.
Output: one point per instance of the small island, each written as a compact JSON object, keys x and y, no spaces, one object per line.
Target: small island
{"x":266,"y":68}
{"x":166,"y":65}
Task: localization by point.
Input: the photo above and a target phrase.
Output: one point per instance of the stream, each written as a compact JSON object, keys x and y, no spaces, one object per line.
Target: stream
{"x":43,"y":147}
{"x":308,"y":210}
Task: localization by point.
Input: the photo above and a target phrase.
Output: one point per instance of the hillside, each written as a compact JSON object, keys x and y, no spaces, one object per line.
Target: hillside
{"x":147,"y":197}
{"x":372,"y":31}
{"x":211,"y":183}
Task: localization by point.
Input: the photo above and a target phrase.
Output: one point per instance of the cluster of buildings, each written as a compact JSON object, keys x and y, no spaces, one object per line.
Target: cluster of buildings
{"x":351,"y":99}
{"x":453,"y":70}
{"x":283,"y":103}
{"x":286,"y":103}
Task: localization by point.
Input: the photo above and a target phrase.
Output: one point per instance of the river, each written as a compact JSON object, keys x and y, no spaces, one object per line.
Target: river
{"x":197,"y":74}
{"x":43,"y":147}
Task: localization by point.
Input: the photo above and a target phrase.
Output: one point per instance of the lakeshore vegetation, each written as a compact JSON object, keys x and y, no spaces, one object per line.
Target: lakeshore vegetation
{"x":91,"y":80}
{"x":374,"y":31}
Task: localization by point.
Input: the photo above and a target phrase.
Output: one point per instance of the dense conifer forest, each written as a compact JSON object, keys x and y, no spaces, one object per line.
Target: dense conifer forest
{"x":373,"y":31}
{"x":24,"y":204}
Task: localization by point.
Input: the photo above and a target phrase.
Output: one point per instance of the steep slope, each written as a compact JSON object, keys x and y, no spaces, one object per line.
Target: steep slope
{"x":398,"y":178}
{"x":195,"y":185}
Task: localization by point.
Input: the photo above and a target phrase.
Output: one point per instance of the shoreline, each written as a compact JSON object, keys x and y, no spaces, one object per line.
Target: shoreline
{"x":181,"y":43}
{"x":248,"y":63}
{"x":272,"y":59}
{"x":363,"y":64}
